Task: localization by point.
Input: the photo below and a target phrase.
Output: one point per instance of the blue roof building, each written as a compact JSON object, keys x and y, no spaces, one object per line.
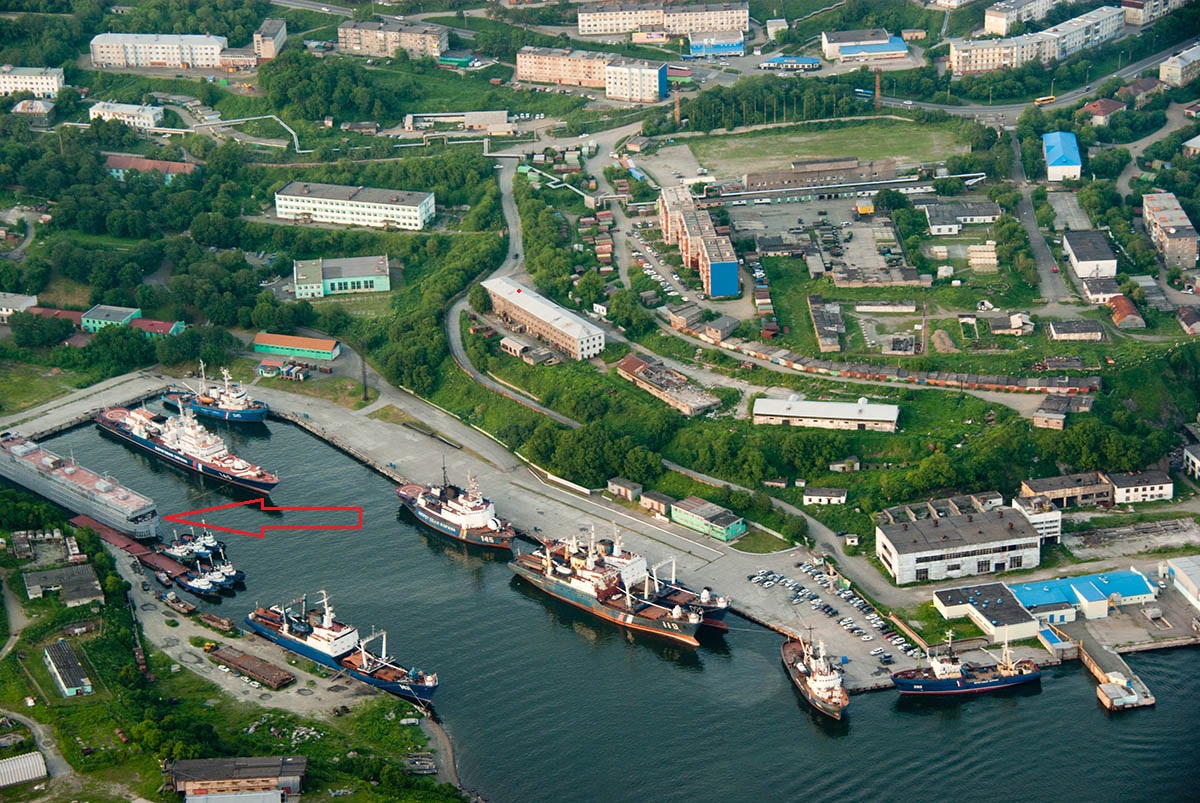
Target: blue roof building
{"x":715,"y":44}
{"x":1059,"y":600}
{"x":1061,"y":150}
{"x":893,"y":48}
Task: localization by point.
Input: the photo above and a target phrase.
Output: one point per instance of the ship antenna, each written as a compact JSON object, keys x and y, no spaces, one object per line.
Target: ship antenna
{"x":445,"y":481}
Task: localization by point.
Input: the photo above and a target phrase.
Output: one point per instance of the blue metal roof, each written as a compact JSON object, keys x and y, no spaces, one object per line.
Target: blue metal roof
{"x":791,"y":60}
{"x":1090,"y":587}
{"x":894,"y":44}
{"x":1061,"y":149}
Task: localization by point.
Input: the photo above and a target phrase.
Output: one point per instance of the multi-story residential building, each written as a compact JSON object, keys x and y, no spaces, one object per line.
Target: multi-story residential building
{"x":1143,"y":12}
{"x":269,"y":39}
{"x":699,"y":244}
{"x":827,"y":415}
{"x":547,"y":65}
{"x":1000,"y":18}
{"x":1170,"y":229}
{"x":157,"y":50}
{"x":317,"y":278}
{"x":602,"y":19}
{"x":38,"y":113}
{"x":635,"y":81}
{"x":542,"y":318}
{"x":1056,"y":43}
{"x":718,"y":266}
{"x":354,"y":206}
{"x":384,"y":38}
{"x":43,"y":82}
{"x":139,"y":117}
{"x":957,"y":546}
{"x":1181,"y":69}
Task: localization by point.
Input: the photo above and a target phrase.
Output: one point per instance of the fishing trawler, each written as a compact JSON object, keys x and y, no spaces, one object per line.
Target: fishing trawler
{"x":464,"y":515}
{"x":947,"y":674}
{"x":228,"y":401}
{"x":818,"y":680}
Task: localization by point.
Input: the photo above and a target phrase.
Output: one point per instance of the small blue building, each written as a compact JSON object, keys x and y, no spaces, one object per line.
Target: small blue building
{"x":790,"y":63}
{"x":1061,"y":150}
{"x":716,"y":44}
{"x":1059,"y":600}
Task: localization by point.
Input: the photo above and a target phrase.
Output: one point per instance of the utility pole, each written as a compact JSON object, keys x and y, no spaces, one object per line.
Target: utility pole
{"x":878,"y":89}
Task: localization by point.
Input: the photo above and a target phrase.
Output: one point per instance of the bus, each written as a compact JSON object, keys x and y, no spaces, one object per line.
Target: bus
{"x":1044,"y":100}
{"x":865,"y":93}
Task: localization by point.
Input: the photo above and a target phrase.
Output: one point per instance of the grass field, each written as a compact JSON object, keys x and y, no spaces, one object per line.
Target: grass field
{"x":62,"y":292}
{"x":765,"y":150}
{"x":391,"y":414}
{"x":22,"y":386}
{"x":758,"y":542}
{"x":345,"y":392}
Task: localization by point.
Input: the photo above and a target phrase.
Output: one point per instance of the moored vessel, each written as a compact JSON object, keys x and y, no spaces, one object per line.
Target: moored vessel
{"x":466,"y":515}
{"x":623,"y":593}
{"x":77,"y":489}
{"x":317,"y":635}
{"x":818,"y":680}
{"x":184,"y":442}
{"x":947,"y":674}
{"x":228,"y":401}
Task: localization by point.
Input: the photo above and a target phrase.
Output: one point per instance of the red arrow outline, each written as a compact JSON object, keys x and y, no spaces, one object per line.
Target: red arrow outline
{"x":179,"y":518}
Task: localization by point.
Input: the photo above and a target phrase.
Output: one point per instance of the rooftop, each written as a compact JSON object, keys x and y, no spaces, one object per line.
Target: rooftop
{"x":956,"y":532}
{"x":706,"y":510}
{"x":1075,"y":590}
{"x":221,"y":769}
{"x":121,"y":162}
{"x":103,"y":312}
{"x":341,"y":192}
{"x":1063,"y":482}
{"x":856,"y":37}
{"x":9,"y":69}
{"x":1137,"y":479}
{"x":946,"y":214}
{"x":850,"y":411}
{"x":74,"y":583}
{"x":893,"y":44}
{"x":993,"y":601}
{"x":542,"y":308}
{"x":1075,"y":327}
{"x":1103,"y":107}
{"x":192,"y":40}
{"x":294,"y":342}
{"x":67,"y":665}
{"x":153,"y":326}
{"x":1088,"y":245}
{"x":270,"y":27}
{"x":312,"y":271}
{"x":1061,"y":149}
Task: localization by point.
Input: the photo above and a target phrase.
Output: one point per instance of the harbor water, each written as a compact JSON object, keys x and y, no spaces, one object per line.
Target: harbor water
{"x":544,"y":703}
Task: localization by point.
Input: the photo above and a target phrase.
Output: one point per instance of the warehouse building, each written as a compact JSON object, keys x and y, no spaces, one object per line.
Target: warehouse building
{"x":862,"y":415}
{"x":304,"y":348}
{"x":309,"y":202}
{"x":1061,"y":150}
{"x":1063,"y":599}
{"x":317,"y":278}
{"x":1170,"y":229}
{"x":667,"y":385}
{"x":208,"y":776}
{"x":957,"y":546}
{"x":708,"y":518}
{"x":1090,"y":255}
{"x":22,"y":769}
{"x":1182,"y":68}
{"x":538,"y":316}
{"x":1185,"y":577}
{"x":76,"y":585}
{"x":948,"y":219}
{"x":1125,"y":313}
{"x":157,"y":50}
{"x":1099,"y":291}
{"x":383,"y":39}
{"x":1076,"y":330}
{"x":820,"y":173}
{"x":1070,"y":490}
{"x":66,"y":669}
{"x":1131,"y":487}
{"x":42,"y":82}
{"x":141,"y":118}
{"x":992,"y":607}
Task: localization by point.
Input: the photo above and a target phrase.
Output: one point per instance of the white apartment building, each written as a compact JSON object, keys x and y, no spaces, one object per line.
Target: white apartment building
{"x":309,"y":202}
{"x":635,"y":81}
{"x":383,"y":39}
{"x":132,"y":115}
{"x":157,"y":50}
{"x":544,"y":319}
{"x":1000,"y":18}
{"x":1143,"y":12}
{"x":548,"y":65}
{"x":1182,"y":68}
{"x":1059,"y":42}
{"x":1085,"y":31}
{"x":43,"y":82}
{"x":603,"y":19}
{"x":269,"y":39}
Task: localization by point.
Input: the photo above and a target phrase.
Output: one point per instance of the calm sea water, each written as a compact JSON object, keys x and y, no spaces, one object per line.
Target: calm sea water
{"x":546,"y":704}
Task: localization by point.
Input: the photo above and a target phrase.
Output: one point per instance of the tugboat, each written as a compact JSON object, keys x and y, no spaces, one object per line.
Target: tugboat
{"x":946,"y":674}
{"x":198,"y":586}
{"x":184,"y":442}
{"x":466,"y":516}
{"x":317,"y":635}
{"x":818,"y":680}
{"x":163,"y":579}
{"x":229,"y":402}
{"x":583,"y":576}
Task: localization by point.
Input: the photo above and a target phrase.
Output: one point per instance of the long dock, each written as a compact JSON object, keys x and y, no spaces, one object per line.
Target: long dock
{"x":1119,"y":687}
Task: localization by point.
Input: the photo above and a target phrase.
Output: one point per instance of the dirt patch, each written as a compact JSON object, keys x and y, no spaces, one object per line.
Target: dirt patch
{"x":1133,"y":539}
{"x":942,"y":342}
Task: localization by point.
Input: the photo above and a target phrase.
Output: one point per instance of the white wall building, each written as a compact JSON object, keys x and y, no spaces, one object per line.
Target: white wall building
{"x":270,"y":38}
{"x":1059,"y":42}
{"x":1089,"y":254}
{"x":1191,"y":460}
{"x":1000,"y":18}
{"x":601,"y":19}
{"x":43,"y":82}
{"x":1142,"y":12}
{"x":827,"y":415}
{"x":139,"y":117}
{"x":14,"y":302}
{"x":824,"y":496}
{"x":1042,"y":515}
{"x":1185,"y":576}
{"x":1140,"y":486}
{"x":957,"y":546}
{"x":1182,"y":68}
{"x":157,"y":50}
{"x":635,"y":81}
{"x":544,"y":319}
{"x":309,"y":202}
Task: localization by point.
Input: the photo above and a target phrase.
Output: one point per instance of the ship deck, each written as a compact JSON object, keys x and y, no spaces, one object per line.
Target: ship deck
{"x":117,"y":497}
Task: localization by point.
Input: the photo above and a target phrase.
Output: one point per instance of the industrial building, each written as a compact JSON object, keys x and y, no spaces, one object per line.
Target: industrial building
{"x":1053,"y":44}
{"x":1043,"y":516}
{"x":708,"y":518}
{"x":22,"y":769}
{"x":67,"y":671}
{"x":1099,"y":291}
{"x":210,"y":776}
{"x":1070,"y":490}
{"x":957,"y":546}
{"x":1076,"y":330}
{"x":827,"y":415}
{"x":1143,"y":12}
{"x":1131,"y":487}
{"x":563,"y":67}
{"x":1182,"y":68}
{"x":667,"y":385}
{"x":14,"y":302}
{"x":141,"y":118}
{"x":1090,"y":255}
{"x":308,"y":202}
{"x":545,"y":320}
{"x":716,"y":44}
{"x":1170,"y":229}
{"x":76,"y":585}
{"x":317,"y":278}
{"x":948,"y":219}
{"x":383,"y":39}
{"x":635,"y":81}
{"x":625,"y":489}
{"x":269,"y":39}
{"x":42,"y":82}
{"x":820,"y":173}
{"x":602,"y":19}
{"x":1184,"y":573}
{"x":157,"y":50}
{"x":1125,"y":313}
{"x":1061,"y":150}
{"x":992,"y":607}
{"x":1062,"y":599}
{"x":306,"y":348}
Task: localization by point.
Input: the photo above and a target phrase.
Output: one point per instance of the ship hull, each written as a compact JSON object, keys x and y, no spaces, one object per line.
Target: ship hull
{"x":291,"y":645}
{"x":497,"y":539}
{"x":178,"y":401}
{"x":183,"y":461}
{"x":410,"y":691}
{"x":832,"y":710}
{"x":934,"y":686}
{"x":684,"y":632}
{"x":62,"y":496}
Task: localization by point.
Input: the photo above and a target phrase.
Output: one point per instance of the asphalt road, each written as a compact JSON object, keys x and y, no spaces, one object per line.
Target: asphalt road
{"x":1051,"y":284}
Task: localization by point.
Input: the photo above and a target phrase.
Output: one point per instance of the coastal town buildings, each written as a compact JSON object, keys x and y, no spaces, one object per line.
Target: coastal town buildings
{"x":968,"y":544}
{"x":538,"y":316}
{"x":692,"y":229}
{"x":563,"y":67}
{"x":1061,"y":150}
{"x":141,"y":118}
{"x":665,"y":384}
{"x":1170,"y":229}
{"x":309,"y":202}
{"x":383,"y":38}
{"x":601,"y":19}
{"x":1143,"y":12}
{"x":269,"y":39}
{"x":1182,"y":68}
{"x":635,"y":81}
{"x":157,"y":50}
{"x":1090,"y":255}
{"x":864,"y":45}
{"x":862,"y":415}
{"x":999,"y":18}
{"x":1056,"y":43}
{"x":317,"y":278}
{"x":42,"y":82}
{"x":14,"y":302}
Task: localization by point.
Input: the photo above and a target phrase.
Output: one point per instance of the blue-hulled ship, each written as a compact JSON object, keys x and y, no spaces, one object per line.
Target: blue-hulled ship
{"x":317,"y":635}
{"x":184,"y":442}
{"x":946,"y":674}
{"x":228,"y":401}
{"x":467,"y":515}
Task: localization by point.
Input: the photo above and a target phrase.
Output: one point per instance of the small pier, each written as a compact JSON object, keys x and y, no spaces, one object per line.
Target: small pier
{"x":1119,"y":687}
